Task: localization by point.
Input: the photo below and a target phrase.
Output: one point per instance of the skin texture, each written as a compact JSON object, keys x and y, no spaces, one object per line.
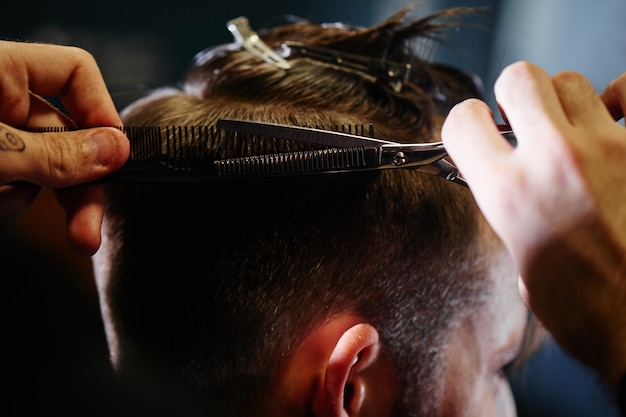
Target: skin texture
{"x":556,"y":201}
{"x":475,"y":379}
{"x":30,"y":161}
{"x":342,"y":352}
{"x":478,"y":349}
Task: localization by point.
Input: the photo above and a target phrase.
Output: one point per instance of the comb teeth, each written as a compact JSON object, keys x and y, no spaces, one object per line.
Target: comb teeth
{"x":352,"y":129}
{"x":301,"y":162}
{"x":197,"y":154}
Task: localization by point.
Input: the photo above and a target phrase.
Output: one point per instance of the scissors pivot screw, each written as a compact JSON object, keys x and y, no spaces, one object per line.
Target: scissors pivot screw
{"x":399,"y":158}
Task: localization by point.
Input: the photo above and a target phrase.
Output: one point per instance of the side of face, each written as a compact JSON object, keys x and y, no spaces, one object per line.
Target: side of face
{"x":482,"y":345}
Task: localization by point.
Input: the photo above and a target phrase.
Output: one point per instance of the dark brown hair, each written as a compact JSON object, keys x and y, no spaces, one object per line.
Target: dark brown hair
{"x":219,"y":283}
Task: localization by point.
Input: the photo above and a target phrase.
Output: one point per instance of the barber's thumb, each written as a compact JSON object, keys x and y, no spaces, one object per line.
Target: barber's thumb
{"x":62,"y":159}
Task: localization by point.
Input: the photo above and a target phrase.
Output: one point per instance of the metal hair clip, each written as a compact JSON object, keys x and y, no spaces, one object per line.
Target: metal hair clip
{"x":253,"y":43}
{"x":395,"y":73}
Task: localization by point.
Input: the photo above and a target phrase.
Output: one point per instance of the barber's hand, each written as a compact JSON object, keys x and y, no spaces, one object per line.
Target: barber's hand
{"x":30,"y":161}
{"x":558,"y":201}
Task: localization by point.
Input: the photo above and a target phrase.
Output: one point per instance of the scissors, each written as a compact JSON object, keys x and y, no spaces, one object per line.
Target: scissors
{"x":346,"y":152}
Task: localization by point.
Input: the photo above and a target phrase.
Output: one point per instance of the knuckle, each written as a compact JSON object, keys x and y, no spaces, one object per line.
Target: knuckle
{"x":567,"y":76}
{"x":571,"y":79}
{"x":13,"y":88}
{"x":63,"y":158}
{"x":81,"y":57}
{"x":514,"y":76}
{"x":618,"y":85}
{"x":520,"y":69}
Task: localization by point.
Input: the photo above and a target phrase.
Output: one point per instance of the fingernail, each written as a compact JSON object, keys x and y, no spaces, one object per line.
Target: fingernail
{"x":104,"y":147}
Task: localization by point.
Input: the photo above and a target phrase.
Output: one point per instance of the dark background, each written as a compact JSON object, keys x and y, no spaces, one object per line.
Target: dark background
{"x":144,"y":45}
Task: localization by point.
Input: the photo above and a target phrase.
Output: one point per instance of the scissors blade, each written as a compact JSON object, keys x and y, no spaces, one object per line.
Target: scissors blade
{"x":300,"y":134}
{"x":388,"y":154}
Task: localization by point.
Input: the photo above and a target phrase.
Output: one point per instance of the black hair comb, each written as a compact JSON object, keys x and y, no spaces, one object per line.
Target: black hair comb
{"x":231,"y":150}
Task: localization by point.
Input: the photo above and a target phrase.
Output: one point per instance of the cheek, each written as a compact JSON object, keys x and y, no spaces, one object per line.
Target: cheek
{"x":472,"y":387}
{"x":491,"y":396}
{"x":483,"y":395}
{"x":476,"y":352}
{"x":503,"y":401}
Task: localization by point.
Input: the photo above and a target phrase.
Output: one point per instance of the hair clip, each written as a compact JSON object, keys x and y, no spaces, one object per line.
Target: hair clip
{"x":253,"y":43}
{"x":395,"y":73}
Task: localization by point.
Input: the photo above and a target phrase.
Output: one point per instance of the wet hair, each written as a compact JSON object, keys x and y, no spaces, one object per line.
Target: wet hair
{"x":216,"y":284}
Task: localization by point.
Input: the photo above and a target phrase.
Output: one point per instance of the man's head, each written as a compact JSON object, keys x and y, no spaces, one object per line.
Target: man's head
{"x":319,"y":298}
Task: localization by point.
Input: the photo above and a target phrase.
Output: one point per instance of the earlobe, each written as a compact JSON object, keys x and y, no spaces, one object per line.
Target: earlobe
{"x":344,"y":386}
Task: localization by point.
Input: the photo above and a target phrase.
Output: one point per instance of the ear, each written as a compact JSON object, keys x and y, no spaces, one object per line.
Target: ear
{"x":345,"y":386}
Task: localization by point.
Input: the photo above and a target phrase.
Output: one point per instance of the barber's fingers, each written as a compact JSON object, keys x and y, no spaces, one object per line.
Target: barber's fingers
{"x":53,"y":70}
{"x":614,"y":97}
{"x":18,"y":197}
{"x":60,"y":159}
{"x":484,"y":158}
{"x":43,"y":114}
{"x":473,"y":140}
{"x":84,"y":208}
{"x":580,"y":102}
{"x":526,"y":95}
